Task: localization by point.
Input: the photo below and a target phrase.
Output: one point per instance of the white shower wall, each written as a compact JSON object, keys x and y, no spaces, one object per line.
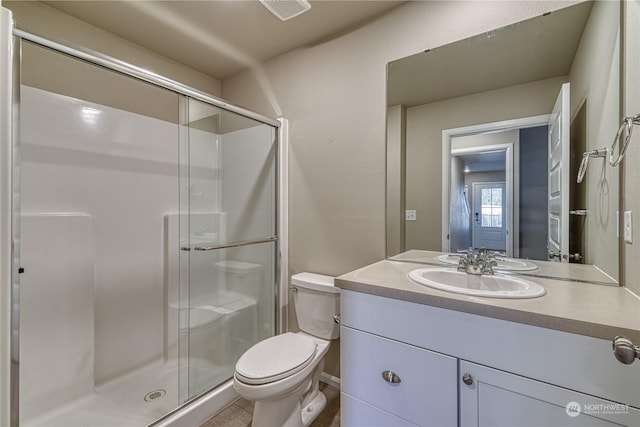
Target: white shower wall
{"x":248,"y":174}
{"x":120,"y":169}
{"x":114,"y":175}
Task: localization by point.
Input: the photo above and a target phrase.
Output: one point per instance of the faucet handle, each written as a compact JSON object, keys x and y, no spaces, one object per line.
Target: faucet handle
{"x":482,"y":252}
{"x":487,"y":266}
{"x":469,"y":254}
{"x":497,"y":253}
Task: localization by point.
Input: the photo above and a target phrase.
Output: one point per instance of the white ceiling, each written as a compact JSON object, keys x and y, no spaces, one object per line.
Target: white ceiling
{"x":485,"y":161}
{"x":222,"y":37}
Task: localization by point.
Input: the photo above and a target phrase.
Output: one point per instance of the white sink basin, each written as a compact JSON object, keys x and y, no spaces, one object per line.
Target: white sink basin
{"x":506,"y":264}
{"x":493,"y":286}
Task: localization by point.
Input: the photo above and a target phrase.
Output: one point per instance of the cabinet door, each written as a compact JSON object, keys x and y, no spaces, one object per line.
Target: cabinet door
{"x":490,"y":397}
{"x":423,"y":390}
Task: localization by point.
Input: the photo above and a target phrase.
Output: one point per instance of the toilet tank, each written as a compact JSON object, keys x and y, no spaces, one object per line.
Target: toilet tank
{"x":317,"y":301}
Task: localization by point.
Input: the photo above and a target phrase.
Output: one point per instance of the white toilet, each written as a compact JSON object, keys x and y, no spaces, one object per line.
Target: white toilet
{"x":281,"y":374}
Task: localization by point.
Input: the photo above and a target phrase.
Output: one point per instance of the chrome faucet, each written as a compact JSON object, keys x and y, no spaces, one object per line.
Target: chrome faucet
{"x":481,"y":262}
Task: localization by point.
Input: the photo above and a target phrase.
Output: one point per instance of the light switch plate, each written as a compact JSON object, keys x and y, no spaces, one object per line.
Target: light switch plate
{"x":410,"y":215}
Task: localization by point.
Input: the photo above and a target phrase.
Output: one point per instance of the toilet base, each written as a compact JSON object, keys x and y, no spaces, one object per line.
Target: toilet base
{"x":285,"y":411}
{"x":288,"y":411}
{"x":313,"y":408}
{"x":288,"y":414}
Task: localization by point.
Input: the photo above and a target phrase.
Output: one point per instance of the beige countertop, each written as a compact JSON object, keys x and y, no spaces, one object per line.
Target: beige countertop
{"x":581,"y":308}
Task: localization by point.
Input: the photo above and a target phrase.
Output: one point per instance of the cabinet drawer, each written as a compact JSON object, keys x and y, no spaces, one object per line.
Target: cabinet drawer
{"x":426,"y":393}
{"x":356,"y":413}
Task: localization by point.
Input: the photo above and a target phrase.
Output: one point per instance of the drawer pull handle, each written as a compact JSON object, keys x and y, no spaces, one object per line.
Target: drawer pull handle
{"x":625,"y":351}
{"x":390,"y":377}
{"x":467,"y":379}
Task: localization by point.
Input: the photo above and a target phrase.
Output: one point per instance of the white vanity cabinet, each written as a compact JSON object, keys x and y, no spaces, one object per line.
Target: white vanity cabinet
{"x":490,"y":397}
{"x":518,"y":375}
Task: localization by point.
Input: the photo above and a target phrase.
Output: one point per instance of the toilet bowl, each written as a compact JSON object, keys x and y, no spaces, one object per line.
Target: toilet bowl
{"x":281,"y":374}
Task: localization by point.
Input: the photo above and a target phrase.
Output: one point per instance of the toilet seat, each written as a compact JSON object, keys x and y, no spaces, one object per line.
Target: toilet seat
{"x":275,"y":358}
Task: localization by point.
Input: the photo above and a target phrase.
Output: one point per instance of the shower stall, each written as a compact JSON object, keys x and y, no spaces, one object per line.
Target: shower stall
{"x":145,"y":251}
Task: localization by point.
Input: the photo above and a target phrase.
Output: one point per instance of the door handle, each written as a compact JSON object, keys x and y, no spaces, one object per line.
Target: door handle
{"x":553,"y":255}
{"x":579,"y":212}
{"x":576,"y":256}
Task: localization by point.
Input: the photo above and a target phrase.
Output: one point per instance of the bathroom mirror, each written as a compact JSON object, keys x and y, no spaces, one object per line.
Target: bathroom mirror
{"x":468,"y":129}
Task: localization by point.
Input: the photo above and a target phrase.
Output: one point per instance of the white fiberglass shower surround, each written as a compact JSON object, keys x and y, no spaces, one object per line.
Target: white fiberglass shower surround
{"x":144,"y":254}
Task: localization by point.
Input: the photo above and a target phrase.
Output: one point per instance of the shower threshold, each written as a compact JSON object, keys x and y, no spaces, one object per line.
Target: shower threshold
{"x":134,"y":400}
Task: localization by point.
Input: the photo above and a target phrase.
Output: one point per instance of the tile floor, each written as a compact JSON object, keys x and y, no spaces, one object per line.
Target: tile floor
{"x":239,"y":413}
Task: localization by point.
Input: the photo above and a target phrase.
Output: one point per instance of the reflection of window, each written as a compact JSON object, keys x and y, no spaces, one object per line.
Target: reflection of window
{"x":491,"y":207}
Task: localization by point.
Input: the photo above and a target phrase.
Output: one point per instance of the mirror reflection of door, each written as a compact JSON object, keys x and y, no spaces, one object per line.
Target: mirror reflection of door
{"x":524,"y":172}
{"x":489,"y":225}
{"x":558,"y":202}
{"x":475,"y":171}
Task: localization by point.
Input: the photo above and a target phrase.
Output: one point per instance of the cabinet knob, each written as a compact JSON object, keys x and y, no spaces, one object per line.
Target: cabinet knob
{"x":390,"y":377}
{"x":625,"y":351}
{"x":467,"y":379}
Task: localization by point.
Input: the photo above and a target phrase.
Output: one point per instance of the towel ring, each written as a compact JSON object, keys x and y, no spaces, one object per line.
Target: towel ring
{"x":602,"y":152}
{"x":626,"y":123}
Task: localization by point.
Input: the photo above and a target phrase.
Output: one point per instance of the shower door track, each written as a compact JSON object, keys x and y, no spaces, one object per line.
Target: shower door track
{"x":140,"y":73}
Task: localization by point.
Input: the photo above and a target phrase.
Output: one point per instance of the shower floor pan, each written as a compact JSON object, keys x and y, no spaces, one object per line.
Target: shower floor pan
{"x":136,"y":399}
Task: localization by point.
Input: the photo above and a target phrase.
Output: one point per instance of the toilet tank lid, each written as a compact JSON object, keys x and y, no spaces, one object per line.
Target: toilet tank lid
{"x":317,"y":282}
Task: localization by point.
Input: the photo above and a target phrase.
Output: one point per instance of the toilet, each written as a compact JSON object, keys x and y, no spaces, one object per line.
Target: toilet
{"x":281,"y":374}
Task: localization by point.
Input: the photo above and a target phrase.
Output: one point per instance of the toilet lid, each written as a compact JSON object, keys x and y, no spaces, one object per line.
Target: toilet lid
{"x":275,"y":358}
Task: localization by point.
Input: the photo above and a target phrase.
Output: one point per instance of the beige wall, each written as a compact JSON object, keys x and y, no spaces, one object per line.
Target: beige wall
{"x":396,"y":154}
{"x":49,"y":21}
{"x":595,"y":81}
{"x":333,"y":94}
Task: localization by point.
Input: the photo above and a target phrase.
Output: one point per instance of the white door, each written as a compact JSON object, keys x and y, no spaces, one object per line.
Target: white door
{"x":489,"y":216}
{"x":489,"y":397}
{"x":558,"y":207}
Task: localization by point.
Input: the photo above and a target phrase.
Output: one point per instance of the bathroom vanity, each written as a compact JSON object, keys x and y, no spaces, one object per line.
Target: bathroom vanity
{"x":413,"y":355}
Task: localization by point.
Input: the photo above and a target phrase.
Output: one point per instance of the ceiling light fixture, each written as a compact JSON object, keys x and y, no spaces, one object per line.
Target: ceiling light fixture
{"x":286,"y":9}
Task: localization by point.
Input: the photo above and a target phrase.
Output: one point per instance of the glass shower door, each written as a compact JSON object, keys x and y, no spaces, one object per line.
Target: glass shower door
{"x":228,"y":241}
{"x":99,"y":185}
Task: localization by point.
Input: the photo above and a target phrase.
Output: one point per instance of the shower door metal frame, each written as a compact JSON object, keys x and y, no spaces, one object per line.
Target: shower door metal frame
{"x":8,"y":356}
{"x":13,"y":36}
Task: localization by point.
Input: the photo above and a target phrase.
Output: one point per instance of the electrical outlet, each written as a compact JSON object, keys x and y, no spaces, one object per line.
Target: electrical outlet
{"x":410,"y":215}
{"x":628,"y":227}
